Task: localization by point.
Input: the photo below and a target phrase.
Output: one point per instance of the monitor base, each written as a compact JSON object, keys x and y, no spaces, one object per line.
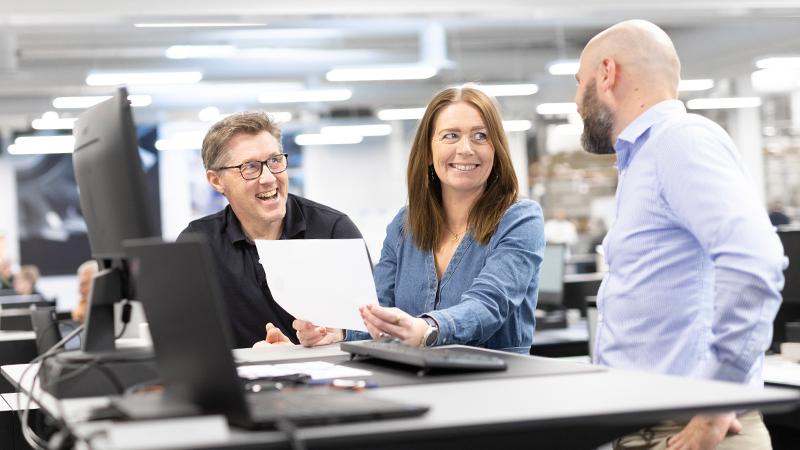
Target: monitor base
{"x":78,"y":374}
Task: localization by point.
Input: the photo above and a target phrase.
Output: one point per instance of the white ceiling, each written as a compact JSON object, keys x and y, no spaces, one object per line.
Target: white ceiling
{"x":53,"y":45}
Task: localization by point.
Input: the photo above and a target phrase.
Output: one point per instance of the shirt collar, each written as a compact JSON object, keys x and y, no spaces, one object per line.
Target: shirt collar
{"x":294,"y":223}
{"x":625,"y":147}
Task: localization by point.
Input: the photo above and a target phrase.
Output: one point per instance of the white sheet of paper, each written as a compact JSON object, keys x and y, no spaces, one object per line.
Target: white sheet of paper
{"x":322,"y":281}
{"x":317,"y":370}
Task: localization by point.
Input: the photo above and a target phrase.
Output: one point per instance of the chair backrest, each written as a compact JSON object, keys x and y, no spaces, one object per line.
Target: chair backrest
{"x":45,"y":326}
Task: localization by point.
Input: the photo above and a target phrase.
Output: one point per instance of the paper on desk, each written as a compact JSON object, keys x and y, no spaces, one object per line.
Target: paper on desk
{"x":317,"y":370}
{"x":322,"y":281}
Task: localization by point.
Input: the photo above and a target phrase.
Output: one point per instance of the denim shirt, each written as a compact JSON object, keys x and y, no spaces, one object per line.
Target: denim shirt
{"x":487,"y":294}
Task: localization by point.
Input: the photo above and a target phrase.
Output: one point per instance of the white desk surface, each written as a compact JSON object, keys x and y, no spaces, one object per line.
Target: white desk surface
{"x":17,"y":335}
{"x":609,"y":397}
{"x":780,"y":371}
{"x":577,"y":332}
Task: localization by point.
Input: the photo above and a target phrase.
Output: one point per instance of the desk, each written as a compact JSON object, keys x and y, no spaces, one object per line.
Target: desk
{"x":578,"y":411}
{"x":16,"y":347}
{"x":570,"y":341}
{"x":783,"y":428}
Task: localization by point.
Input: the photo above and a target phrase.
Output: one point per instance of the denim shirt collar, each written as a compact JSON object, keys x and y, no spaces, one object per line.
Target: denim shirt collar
{"x":634,"y":135}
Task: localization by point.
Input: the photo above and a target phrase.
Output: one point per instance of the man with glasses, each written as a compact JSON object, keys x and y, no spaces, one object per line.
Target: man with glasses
{"x":235,"y":152}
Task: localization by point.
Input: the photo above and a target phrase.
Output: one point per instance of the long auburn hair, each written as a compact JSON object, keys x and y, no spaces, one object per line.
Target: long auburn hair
{"x":425,"y":217}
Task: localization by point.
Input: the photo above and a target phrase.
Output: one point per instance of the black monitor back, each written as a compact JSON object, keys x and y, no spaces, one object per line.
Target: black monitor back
{"x":111,"y":183}
{"x":189,"y":325}
{"x":790,"y":308}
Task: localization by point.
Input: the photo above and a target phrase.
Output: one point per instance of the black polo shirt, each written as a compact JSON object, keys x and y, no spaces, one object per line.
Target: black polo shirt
{"x":248,"y":300}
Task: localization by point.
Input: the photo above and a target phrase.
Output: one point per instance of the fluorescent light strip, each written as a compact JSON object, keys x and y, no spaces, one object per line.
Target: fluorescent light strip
{"x":53,"y":124}
{"x":401,"y":114}
{"x":724,"y":103}
{"x":179,"y":144}
{"x":37,"y":145}
{"x":359,"y":130}
{"x":382,"y":73}
{"x":695,"y":85}
{"x":517,"y":125}
{"x":564,"y":67}
{"x":787,"y":62}
{"x":557,"y":108}
{"x":198,"y":24}
{"x":114,"y":79}
{"x":509,"y":90}
{"x":88,"y":101}
{"x":330,"y":95}
{"x":200,"y":51}
{"x":327,"y":139}
{"x":569,"y":129}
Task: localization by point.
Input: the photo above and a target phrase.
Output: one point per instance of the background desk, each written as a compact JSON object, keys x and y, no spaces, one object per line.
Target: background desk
{"x":577,"y":411}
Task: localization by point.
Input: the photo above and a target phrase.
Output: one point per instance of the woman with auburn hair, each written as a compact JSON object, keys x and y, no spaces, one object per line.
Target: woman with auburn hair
{"x":460,"y":264}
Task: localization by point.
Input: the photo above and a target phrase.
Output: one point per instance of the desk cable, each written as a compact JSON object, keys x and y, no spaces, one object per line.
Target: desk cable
{"x":30,"y":436}
{"x":290,"y":430}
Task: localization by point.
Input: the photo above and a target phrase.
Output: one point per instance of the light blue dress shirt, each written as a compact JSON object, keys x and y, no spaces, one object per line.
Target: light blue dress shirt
{"x":487,"y":294}
{"x":694,"y":267}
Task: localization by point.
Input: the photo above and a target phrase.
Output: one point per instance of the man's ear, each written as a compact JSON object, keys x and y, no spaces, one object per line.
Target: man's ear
{"x":608,"y":74}
{"x":213,"y":179}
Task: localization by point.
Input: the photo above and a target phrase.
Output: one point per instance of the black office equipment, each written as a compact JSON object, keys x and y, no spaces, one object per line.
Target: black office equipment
{"x":192,"y":339}
{"x":790,"y":308}
{"x":392,"y":349}
{"x":551,"y":289}
{"x":114,"y":202}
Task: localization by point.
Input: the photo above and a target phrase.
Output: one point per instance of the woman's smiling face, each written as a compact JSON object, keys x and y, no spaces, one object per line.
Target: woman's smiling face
{"x":461,"y":152}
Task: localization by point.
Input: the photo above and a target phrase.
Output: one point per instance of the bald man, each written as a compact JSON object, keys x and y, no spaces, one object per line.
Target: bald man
{"x":694,"y":267}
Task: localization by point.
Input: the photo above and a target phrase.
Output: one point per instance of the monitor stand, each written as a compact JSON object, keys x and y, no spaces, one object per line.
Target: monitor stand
{"x":99,"y":368}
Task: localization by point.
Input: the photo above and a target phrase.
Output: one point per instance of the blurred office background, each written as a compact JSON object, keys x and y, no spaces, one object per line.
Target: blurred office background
{"x":349,"y":79}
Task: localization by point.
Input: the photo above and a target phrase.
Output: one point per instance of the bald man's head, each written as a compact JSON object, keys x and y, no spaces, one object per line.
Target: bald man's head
{"x":641,"y":50}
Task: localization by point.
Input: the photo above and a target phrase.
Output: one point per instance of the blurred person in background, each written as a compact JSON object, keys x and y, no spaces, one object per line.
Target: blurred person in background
{"x":85,"y":273}
{"x":559,"y":230}
{"x":25,"y":280}
{"x":777,"y":215}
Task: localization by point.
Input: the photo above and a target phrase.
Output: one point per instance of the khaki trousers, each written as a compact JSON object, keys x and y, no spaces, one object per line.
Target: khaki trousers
{"x":754,"y":435}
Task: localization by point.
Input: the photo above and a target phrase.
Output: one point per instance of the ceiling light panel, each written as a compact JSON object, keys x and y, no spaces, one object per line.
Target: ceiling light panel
{"x":509,"y":90}
{"x":196,"y":24}
{"x":385,"y":73}
{"x":401,"y":114}
{"x":328,"y":95}
{"x":37,"y":145}
{"x":724,"y":103}
{"x":89,"y":101}
{"x":115,"y":79}
{"x":783,"y":62}
{"x":327,"y":139}
{"x":360,"y":130}
{"x":546,"y":109}
{"x":564,"y":67}
{"x":200,"y":51}
{"x":695,"y":85}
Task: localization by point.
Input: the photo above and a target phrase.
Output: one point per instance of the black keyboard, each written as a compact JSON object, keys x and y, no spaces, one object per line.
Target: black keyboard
{"x":321,"y":405}
{"x":392,"y":349}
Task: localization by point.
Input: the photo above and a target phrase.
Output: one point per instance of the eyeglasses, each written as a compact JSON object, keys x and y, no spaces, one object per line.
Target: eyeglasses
{"x":253,"y":169}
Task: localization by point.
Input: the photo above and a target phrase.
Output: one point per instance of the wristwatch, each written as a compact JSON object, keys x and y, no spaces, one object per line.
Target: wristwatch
{"x":431,"y":336}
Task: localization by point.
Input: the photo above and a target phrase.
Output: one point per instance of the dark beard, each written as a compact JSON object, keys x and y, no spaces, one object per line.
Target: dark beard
{"x":598,"y":123}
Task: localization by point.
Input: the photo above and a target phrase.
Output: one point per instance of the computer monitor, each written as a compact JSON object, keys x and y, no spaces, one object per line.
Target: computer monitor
{"x":790,"y":308}
{"x":115,"y":203}
{"x":551,"y":276}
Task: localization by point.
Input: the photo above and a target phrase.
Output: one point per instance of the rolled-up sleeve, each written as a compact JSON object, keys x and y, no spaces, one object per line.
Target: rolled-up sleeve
{"x":509,"y":278}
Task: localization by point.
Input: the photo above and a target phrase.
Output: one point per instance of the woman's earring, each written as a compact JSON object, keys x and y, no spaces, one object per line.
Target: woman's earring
{"x":431,"y":174}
